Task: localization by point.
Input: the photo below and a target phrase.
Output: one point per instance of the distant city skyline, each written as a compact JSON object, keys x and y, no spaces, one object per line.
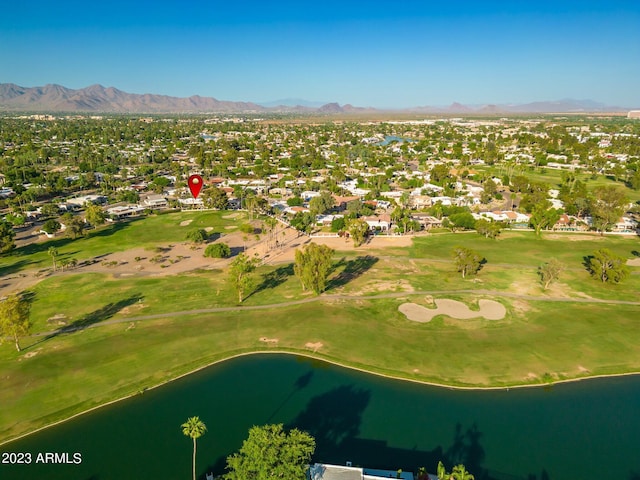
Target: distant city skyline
{"x":405,"y":54}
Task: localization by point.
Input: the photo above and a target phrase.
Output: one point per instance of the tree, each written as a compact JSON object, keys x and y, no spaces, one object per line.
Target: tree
{"x":15,"y":219}
{"x":53,"y":253}
{"x":321,"y":204}
{"x":358,"y":230}
{"x":607,"y":266}
{"x":460,"y":472}
{"x":14,"y":318}
{"x":49,"y":210}
{"x":338,"y":224}
{"x":94,"y":214}
{"x":269,"y":452}
{"x":608,"y":205}
{"x":217,"y":250}
{"x":462,"y":221}
{"x":634,"y":181}
{"x":542,"y":218}
{"x":294,"y":202}
{"x":7,"y":234}
{"x":75,"y":227}
{"x":215,"y":198}
{"x":194,"y":428}
{"x":199,"y":235}
{"x":488,"y":228}
{"x":68,"y":263}
{"x":467,"y":261}
{"x":312,"y":265}
{"x":441,"y":471}
{"x":490,"y":187}
{"x":549,"y":272}
{"x":240,"y":272}
{"x":439,"y":173}
{"x":303,"y":222}
{"x":51,"y":226}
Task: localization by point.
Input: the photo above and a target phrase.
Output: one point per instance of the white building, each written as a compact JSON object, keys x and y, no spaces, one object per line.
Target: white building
{"x":320,"y":471}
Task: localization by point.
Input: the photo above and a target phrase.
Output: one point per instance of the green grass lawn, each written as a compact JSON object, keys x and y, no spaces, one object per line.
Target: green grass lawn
{"x":148,"y":232}
{"x":538,"y":340}
{"x":553,"y":177}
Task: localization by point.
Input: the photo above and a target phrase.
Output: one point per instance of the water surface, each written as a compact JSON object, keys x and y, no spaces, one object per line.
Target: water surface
{"x":573,"y":431}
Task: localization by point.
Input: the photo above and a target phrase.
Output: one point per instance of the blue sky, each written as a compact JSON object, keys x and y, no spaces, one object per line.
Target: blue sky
{"x":400,"y":54}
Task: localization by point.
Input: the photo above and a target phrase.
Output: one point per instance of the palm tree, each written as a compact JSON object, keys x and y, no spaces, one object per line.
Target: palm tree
{"x":194,"y":428}
{"x":460,"y":473}
{"x":53,"y":253}
{"x":441,"y":471}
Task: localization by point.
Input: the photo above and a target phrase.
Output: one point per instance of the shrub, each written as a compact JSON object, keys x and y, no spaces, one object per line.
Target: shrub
{"x":217,"y":250}
{"x":246,"y":228}
{"x":198,"y":236}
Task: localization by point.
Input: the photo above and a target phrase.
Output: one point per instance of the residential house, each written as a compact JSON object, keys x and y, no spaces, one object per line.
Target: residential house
{"x":378,"y":222}
{"x":123,"y":211}
{"x":625,"y":225}
{"x":341,"y":202}
{"x":326,"y":220}
{"x":155,"y":201}
{"x":426,"y":221}
{"x":320,"y":471}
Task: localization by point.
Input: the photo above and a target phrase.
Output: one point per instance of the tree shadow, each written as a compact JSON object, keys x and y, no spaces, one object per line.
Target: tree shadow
{"x":96,"y":316}
{"x":466,"y":449}
{"x":586,"y":262}
{"x":275,"y":278}
{"x":352,"y":270}
{"x":300,"y":383}
{"x":544,"y":475}
{"x":14,"y":268}
{"x":635,"y":253}
{"x":333,"y":418}
{"x":61,"y":242}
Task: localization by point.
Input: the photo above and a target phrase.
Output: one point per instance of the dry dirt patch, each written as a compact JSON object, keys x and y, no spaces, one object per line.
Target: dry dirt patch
{"x":269,"y":341}
{"x":398,"y":285}
{"x":489,"y":309}
{"x":314,"y":346}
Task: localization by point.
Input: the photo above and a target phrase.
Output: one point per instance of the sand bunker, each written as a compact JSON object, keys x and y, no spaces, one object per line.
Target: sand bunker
{"x":634,"y":262}
{"x":488,"y":309}
{"x":184,"y":223}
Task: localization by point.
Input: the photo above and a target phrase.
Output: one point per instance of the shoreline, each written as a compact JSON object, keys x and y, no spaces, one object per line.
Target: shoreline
{"x":336,"y":363}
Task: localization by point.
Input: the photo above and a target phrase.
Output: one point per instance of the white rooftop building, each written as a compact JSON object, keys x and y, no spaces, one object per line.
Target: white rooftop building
{"x":320,"y":471}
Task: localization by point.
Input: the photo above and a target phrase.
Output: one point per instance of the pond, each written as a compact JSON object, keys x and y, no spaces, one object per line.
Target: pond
{"x":581,"y":430}
{"x":393,"y":138}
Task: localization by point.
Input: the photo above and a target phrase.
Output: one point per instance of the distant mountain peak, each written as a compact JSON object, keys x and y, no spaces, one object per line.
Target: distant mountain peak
{"x":97,"y":98}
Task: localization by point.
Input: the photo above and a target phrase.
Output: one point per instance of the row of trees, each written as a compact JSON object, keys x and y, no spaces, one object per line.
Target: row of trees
{"x":603,"y":265}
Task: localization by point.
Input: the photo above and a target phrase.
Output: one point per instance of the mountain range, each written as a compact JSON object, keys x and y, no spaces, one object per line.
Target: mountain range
{"x":99,"y":99}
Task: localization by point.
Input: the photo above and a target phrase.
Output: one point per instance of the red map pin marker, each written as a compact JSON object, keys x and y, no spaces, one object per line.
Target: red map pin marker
{"x":195,"y":185}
